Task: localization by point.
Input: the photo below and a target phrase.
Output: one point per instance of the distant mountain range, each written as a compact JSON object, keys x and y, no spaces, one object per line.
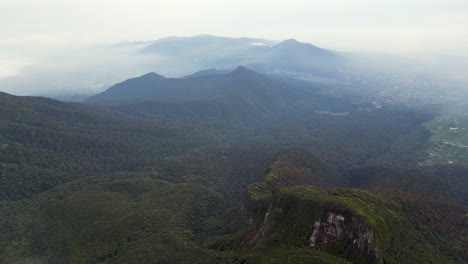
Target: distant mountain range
{"x":241,"y":94}
{"x":199,"y":85}
{"x":286,"y":57}
{"x":82,"y":73}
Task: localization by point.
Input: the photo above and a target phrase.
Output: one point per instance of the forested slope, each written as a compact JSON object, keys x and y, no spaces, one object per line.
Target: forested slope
{"x":136,"y":183}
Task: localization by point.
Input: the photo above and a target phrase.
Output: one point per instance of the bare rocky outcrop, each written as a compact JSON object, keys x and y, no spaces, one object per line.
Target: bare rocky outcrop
{"x":338,"y":227}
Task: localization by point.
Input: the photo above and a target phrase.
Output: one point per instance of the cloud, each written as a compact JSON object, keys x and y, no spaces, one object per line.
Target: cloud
{"x":259,"y":44}
{"x":11,"y":67}
{"x":399,"y":25}
{"x":83,"y":71}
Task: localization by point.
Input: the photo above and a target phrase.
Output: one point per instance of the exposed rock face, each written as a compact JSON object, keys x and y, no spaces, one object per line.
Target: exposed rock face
{"x":262,"y":230}
{"x":338,"y":227}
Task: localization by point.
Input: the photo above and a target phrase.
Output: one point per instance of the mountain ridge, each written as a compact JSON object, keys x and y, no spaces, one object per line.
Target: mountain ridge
{"x":241,"y":94}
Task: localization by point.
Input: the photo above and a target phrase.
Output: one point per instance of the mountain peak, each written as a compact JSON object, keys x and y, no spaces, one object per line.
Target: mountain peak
{"x":293,"y":43}
{"x":291,"y":40}
{"x":242,"y":70}
{"x":153,"y":75}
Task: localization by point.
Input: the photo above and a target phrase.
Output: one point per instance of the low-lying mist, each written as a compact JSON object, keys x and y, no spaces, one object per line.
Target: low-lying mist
{"x":77,"y":73}
{"x":80,"y":73}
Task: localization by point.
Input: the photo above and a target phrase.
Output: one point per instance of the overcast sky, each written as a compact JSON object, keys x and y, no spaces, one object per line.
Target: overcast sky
{"x":31,"y":28}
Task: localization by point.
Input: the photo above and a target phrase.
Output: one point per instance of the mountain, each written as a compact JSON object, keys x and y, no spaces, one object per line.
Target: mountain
{"x":241,"y":94}
{"x":293,"y":56}
{"x":98,"y":67}
{"x":214,"y":47}
{"x":152,"y":86}
{"x":420,"y":78}
{"x":288,"y":58}
{"x":134,"y":88}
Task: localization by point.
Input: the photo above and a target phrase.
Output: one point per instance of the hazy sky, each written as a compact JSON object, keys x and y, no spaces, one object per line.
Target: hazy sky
{"x":34,"y":28}
{"x":401,"y":25}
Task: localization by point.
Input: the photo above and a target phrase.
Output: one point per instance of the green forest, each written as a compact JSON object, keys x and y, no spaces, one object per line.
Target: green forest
{"x":270,"y":173}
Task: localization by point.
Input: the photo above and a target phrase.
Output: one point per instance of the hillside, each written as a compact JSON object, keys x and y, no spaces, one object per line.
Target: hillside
{"x":383,"y":225}
{"x":216,"y":191}
{"x":45,"y":143}
{"x":130,"y":218}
